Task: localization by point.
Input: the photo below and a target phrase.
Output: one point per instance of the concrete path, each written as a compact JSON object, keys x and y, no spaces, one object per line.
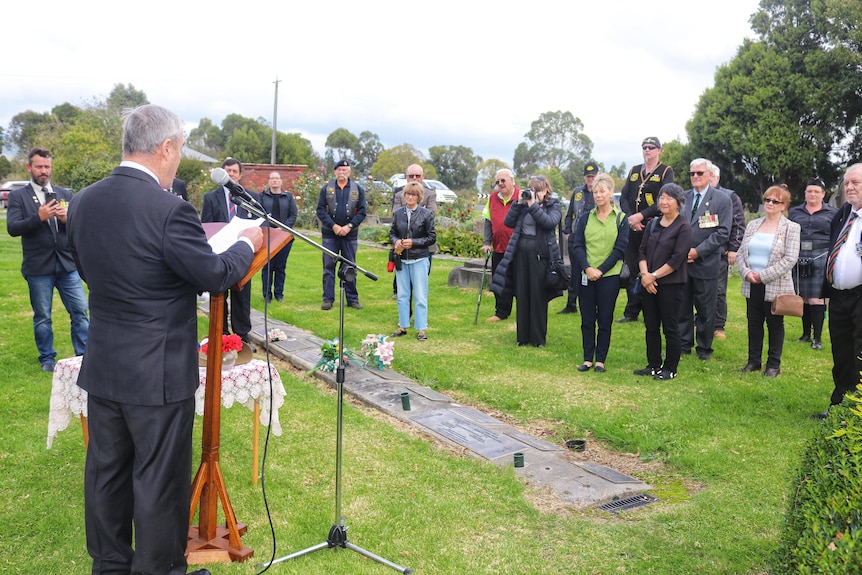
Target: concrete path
{"x":546,"y":465}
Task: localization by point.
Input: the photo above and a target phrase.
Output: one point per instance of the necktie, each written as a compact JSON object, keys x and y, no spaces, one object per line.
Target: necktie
{"x":696,"y":203}
{"x":842,"y":239}
{"x":52,"y":221}
{"x":231,"y":210}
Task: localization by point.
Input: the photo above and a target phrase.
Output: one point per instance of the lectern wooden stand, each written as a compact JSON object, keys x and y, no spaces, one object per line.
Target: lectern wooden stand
{"x":209,"y":542}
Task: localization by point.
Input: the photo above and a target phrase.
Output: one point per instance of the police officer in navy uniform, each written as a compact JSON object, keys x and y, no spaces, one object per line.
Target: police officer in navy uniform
{"x":639,"y":201}
{"x":581,"y":202}
{"x":340,"y":209}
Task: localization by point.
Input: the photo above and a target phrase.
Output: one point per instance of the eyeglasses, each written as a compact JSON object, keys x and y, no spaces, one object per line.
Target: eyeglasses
{"x":650,"y":148}
{"x":411,"y":194}
{"x":698,"y":174}
{"x":772,"y":201}
{"x":503,"y":181}
{"x":414,"y":176}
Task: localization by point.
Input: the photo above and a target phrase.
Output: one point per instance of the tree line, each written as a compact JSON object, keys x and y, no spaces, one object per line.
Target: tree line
{"x":787,"y":107}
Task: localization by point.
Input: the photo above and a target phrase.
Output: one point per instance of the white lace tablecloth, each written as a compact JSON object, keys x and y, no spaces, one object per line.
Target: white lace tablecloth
{"x":245,"y":384}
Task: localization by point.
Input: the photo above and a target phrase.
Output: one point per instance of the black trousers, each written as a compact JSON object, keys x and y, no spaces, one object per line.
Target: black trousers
{"x":532,"y":312}
{"x":699,"y":296}
{"x":598,"y":300}
{"x":845,"y":331}
{"x":240,"y":311}
{"x":138,"y":472}
{"x":661,"y":313}
{"x":759,"y":312}
{"x":632,"y":255}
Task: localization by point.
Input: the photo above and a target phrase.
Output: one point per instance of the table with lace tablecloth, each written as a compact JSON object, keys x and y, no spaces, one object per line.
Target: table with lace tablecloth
{"x":246,"y":384}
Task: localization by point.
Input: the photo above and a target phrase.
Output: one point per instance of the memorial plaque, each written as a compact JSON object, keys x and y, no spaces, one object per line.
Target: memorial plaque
{"x":487,"y":443}
{"x":607,"y":473}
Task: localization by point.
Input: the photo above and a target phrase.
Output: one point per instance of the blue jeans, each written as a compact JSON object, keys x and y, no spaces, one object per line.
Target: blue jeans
{"x":42,"y":296}
{"x":413,"y":276}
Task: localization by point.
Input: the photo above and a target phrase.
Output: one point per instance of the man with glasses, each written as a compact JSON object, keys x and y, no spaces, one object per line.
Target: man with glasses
{"x":415,"y":173}
{"x":711,"y":214}
{"x":581,"y":202}
{"x":496,"y":234}
{"x":639,"y":200}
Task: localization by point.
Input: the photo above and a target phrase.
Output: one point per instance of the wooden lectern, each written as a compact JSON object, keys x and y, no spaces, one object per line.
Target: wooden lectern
{"x":209,"y":542}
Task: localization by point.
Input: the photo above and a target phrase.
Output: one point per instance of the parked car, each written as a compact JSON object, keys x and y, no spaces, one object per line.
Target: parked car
{"x":8,"y":187}
{"x":398,"y":180}
{"x":444,"y":194}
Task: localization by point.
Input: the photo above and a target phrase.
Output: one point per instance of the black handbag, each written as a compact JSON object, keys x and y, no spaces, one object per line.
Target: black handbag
{"x":558,"y":276}
{"x":394,"y":261}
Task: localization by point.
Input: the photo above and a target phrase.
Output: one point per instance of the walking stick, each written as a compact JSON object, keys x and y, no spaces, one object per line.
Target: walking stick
{"x":482,"y":286}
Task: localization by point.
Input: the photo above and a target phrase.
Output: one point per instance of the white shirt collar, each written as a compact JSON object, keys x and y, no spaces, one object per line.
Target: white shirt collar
{"x":143,"y":168}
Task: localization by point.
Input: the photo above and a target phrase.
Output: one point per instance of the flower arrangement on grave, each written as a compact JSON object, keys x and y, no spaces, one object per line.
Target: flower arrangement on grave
{"x":376,"y":351}
{"x":275,"y":334}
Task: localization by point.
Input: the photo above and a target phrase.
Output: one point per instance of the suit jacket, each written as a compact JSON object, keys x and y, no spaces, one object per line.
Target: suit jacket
{"x":215,"y":207}
{"x":429,"y":199}
{"x":178,"y":188}
{"x":144,"y":256}
{"x":776,"y":276}
{"x":835,"y":228}
{"x":41,"y":249}
{"x":710,"y":242}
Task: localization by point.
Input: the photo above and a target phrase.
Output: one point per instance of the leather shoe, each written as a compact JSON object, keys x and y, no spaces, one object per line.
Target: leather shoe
{"x":199,"y":572}
{"x":355,"y":305}
{"x":771,"y":372}
{"x":327,"y":305}
{"x":703,"y":356}
{"x":584,"y":367}
{"x":820,"y":415}
{"x":816,"y":344}
{"x":650,"y":371}
{"x":568,"y":309}
{"x":750,"y":367}
{"x":804,"y":339}
{"x":48,"y":366}
{"x":600,"y":369}
{"x":399,"y":333}
{"x":625,"y":319}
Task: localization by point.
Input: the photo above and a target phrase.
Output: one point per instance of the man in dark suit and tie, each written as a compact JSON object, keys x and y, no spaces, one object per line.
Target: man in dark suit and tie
{"x":37,"y":213}
{"x":144,"y":256}
{"x":218,"y":208}
{"x":711,"y":213}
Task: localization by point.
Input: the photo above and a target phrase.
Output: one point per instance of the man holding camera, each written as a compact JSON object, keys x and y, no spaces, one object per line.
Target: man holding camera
{"x":37,"y":213}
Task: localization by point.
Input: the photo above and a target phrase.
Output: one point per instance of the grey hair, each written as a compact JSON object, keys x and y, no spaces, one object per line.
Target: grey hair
{"x":147,"y":126}
{"x":714,"y":170}
{"x":507,"y":171}
{"x":699,"y":161}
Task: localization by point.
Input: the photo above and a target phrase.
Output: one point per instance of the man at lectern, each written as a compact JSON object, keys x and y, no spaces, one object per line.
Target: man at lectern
{"x":140,"y":366}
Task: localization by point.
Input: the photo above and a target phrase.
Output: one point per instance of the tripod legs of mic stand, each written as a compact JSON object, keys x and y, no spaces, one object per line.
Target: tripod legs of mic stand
{"x":338,"y":532}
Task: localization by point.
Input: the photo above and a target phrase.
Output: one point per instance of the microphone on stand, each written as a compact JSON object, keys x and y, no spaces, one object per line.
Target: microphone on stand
{"x":220,"y":177}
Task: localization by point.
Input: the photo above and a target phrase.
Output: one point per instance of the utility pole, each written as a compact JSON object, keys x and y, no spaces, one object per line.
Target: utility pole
{"x":274,"y":121}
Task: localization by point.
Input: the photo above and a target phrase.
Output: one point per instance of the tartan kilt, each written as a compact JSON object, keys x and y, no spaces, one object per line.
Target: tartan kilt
{"x":811,"y":286}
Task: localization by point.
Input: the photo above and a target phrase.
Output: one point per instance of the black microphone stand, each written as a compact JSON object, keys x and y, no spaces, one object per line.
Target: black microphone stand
{"x":346,"y":273}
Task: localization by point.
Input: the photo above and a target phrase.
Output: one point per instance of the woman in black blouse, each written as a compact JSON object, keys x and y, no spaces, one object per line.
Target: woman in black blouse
{"x":663,"y":275}
{"x":813,"y":218}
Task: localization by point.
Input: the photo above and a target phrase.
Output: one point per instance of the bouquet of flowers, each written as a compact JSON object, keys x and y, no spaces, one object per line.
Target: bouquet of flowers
{"x":275,"y":334}
{"x":329,"y":356}
{"x":377,"y":351}
{"x":228,"y":343}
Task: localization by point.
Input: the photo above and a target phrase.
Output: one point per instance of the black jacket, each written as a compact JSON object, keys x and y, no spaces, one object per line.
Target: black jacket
{"x":42,"y":249}
{"x":421,"y":231}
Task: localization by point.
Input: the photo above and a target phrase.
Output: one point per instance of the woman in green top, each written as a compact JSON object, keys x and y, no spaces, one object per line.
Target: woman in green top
{"x":598,"y":244}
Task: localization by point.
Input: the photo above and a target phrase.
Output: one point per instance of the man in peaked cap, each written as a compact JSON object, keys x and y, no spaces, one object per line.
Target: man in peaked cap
{"x":340,"y":209}
{"x":581,"y":202}
{"x":639,"y":201}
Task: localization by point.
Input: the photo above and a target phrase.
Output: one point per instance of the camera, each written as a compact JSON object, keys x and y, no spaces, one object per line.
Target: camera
{"x":527,"y":194}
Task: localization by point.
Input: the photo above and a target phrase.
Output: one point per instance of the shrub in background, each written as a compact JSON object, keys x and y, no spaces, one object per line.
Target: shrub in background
{"x":823,"y":526}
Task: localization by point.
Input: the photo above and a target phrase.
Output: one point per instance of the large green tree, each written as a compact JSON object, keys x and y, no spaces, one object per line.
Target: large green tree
{"x":395,"y":161}
{"x":457,"y":166}
{"x":555,"y":142}
{"x":341,"y":144}
{"x":367,"y":151}
{"x":488,"y":174}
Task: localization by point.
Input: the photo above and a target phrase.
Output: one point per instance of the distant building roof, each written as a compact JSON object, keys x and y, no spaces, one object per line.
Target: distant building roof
{"x":200,"y":156}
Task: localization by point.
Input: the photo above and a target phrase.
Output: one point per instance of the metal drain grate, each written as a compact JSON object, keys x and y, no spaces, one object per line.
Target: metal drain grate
{"x":628,"y":503}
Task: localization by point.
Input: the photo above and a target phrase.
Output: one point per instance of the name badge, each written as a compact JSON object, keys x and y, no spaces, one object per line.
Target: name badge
{"x":806,"y":246}
{"x":708,"y":220}
{"x":859,"y":249}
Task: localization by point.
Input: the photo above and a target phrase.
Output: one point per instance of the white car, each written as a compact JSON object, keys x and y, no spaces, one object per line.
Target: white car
{"x":444,"y":194}
{"x":397,"y":181}
{"x":8,"y":187}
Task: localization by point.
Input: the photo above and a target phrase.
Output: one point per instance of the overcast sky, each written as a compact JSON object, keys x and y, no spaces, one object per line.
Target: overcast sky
{"x":452,"y":72}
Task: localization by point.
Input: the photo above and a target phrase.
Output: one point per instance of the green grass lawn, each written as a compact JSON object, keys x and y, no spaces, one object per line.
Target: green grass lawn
{"x":718,"y":446}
